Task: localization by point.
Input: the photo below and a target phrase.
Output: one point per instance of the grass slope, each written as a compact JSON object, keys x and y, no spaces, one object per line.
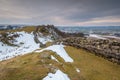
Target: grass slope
{"x":36,"y":66}
{"x":93,"y":67}
{"x":27,"y":67}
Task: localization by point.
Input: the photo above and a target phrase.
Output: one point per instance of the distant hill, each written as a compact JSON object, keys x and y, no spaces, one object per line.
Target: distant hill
{"x":8,"y":27}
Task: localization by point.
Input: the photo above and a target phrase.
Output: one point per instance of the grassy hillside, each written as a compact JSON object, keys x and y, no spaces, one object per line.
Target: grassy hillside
{"x":36,"y":66}
{"x":28,"y":29}
{"x":93,"y":67}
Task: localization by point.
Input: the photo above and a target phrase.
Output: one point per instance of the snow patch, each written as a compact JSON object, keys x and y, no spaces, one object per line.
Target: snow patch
{"x":96,"y":36}
{"x":52,"y":57}
{"x":59,"y":49}
{"x":77,"y":70}
{"x":112,"y":37}
{"x":44,"y":40}
{"x":59,"y":75}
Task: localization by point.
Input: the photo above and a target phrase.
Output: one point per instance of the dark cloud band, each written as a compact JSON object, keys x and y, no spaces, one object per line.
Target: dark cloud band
{"x":58,"y":11}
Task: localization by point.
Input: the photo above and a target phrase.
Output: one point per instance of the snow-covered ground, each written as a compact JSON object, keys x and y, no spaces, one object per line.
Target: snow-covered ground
{"x":59,"y":49}
{"x":102,"y":36}
{"x":44,"y":39}
{"x":59,"y":75}
{"x":26,"y":45}
{"x":96,"y":36}
{"x":112,"y":37}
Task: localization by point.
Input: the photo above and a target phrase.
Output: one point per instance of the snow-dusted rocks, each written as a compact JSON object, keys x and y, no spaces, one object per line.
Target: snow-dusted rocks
{"x":25,"y":42}
{"x":59,"y":75}
{"x":59,"y":49}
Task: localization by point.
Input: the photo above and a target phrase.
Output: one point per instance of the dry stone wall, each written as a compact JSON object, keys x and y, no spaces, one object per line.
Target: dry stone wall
{"x":107,"y":48}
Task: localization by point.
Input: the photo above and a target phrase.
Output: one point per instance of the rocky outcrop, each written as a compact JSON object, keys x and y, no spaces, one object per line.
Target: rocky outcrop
{"x":37,"y":40}
{"x":5,"y":38}
{"x":56,"y":34}
{"x":109,"y":49}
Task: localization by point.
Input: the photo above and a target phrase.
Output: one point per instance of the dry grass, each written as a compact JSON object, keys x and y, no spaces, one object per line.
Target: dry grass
{"x":27,"y":67}
{"x":93,"y":67}
{"x":35,"y":66}
{"x":28,"y":29}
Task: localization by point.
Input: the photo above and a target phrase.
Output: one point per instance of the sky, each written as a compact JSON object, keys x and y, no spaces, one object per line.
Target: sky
{"x":61,"y":12}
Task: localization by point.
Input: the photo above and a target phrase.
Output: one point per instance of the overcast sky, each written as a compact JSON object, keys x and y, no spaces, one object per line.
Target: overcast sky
{"x":60,"y":12}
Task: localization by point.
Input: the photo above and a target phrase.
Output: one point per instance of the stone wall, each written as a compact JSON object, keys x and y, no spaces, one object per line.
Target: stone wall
{"x":107,"y":48}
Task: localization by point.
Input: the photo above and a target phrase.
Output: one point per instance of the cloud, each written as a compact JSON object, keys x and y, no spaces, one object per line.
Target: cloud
{"x":103,"y":21}
{"x":60,"y":12}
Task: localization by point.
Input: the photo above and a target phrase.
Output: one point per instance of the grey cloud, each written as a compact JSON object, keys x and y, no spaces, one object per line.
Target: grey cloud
{"x":42,"y":11}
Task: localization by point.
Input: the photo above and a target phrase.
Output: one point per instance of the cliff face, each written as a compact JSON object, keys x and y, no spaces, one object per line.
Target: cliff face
{"x":106,"y":48}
